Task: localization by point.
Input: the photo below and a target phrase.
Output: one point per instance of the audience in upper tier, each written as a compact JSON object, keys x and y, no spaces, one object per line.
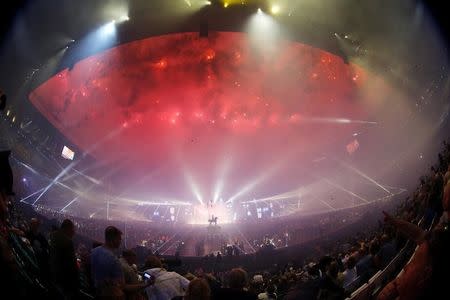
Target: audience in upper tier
{"x":38,"y":262}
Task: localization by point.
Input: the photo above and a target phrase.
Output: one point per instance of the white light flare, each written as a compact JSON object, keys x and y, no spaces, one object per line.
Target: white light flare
{"x":218,"y":189}
{"x":336,"y":120}
{"x":194,"y":187}
{"x":221,"y":181}
{"x":55,"y":181}
{"x":122,"y":19}
{"x":265,"y":34}
{"x":70,"y":203}
{"x":108,"y":29}
{"x":275,"y":9}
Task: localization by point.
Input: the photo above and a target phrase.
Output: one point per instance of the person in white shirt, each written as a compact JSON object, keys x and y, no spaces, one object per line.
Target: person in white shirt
{"x":167,"y":285}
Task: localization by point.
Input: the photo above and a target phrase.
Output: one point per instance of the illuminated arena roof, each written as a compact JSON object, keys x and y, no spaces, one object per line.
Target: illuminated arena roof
{"x":300,"y":107}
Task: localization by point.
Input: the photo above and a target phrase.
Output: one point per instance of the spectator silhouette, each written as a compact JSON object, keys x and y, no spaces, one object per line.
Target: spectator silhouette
{"x":198,"y":289}
{"x":40,"y":246}
{"x":128,"y":262}
{"x":237,"y":284}
{"x":63,"y":262}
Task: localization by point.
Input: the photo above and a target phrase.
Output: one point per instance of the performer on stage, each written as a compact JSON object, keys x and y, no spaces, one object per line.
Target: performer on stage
{"x":213,"y":220}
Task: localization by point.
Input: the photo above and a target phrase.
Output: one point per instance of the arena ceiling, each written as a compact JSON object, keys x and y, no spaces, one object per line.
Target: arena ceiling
{"x":313,"y":97}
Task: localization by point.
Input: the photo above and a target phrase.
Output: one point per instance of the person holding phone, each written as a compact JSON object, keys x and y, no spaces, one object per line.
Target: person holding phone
{"x":131,"y":276}
{"x":167,"y":285}
{"x":148,"y":277}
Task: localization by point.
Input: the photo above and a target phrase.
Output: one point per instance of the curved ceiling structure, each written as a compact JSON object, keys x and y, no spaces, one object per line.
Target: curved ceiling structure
{"x":276,"y":111}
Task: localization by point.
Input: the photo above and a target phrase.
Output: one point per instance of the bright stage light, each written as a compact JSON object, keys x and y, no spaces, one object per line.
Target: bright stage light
{"x":108,"y":29}
{"x":265,"y":34}
{"x":123,"y":18}
{"x":275,"y":9}
{"x":226,"y":4}
{"x":220,"y":210}
{"x":67,"y":153}
{"x":208,"y":2}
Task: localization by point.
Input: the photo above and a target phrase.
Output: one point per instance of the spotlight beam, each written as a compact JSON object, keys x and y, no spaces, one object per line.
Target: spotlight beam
{"x":73,"y":164}
{"x":194,"y":187}
{"x":301,"y":191}
{"x":248,"y":243}
{"x":54,"y":181}
{"x":141,"y":180}
{"x":221,"y":181}
{"x":274,"y":198}
{"x":336,"y":121}
{"x":261,"y":178}
{"x":344,"y":189}
{"x":327,"y":204}
{"x":70,"y":203}
{"x":267,"y":174}
{"x":31,"y":195}
{"x":364,"y":176}
{"x":83,"y":194}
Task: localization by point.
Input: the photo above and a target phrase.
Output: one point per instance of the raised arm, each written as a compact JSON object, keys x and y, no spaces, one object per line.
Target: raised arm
{"x":408,"y":229}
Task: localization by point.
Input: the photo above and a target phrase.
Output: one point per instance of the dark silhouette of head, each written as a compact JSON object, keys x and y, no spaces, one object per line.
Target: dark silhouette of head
{"x":198,"y":289}
{"x":129,"y":256}
{"x":6,"y":175}
{"x":153,"y":262}
{"x":237,"y":279}
{"x":113,"y":237}
{"x":68,"y":228}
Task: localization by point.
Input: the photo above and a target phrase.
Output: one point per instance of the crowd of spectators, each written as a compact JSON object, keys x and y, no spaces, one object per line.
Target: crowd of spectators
{"x":44,"y":259}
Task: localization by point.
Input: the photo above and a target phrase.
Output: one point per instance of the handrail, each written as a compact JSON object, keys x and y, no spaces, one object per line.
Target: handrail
{"x":379,"y":279}
{"x":86,"y":295}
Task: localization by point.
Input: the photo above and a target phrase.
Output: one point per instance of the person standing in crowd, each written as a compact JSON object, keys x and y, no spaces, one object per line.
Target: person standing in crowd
{"x":131,"y":277}
{"x":63,"y":262}
{"x":107,"y":273}
{"x":39,"y":244}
